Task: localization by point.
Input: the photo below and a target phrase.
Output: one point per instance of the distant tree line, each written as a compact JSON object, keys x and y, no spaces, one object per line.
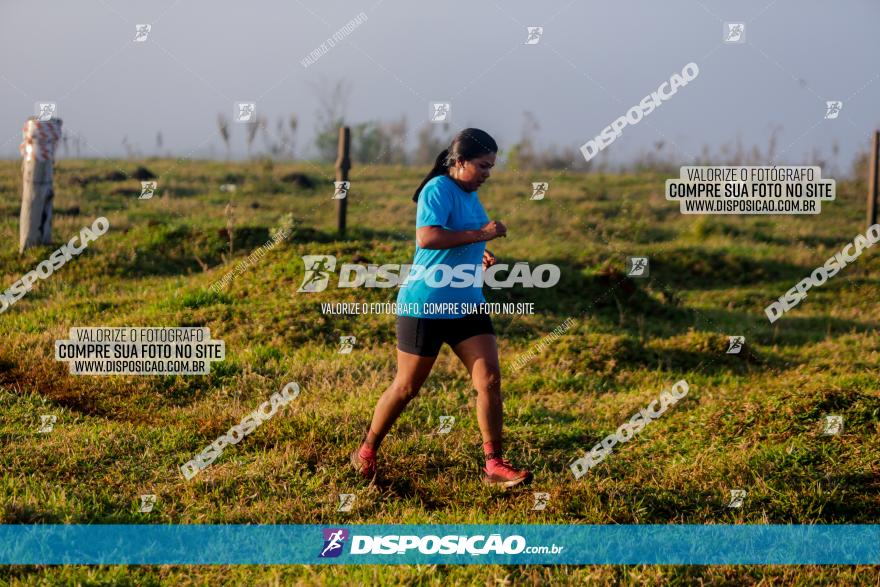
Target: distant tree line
{"x":387,"y":143}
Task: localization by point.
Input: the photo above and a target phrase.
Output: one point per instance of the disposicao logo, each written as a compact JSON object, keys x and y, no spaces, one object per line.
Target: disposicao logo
{"x":319,"y":267}
{"x":334,"y":541}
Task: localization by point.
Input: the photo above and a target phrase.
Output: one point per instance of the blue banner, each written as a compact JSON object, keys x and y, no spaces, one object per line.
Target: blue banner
{"x":439,"y":544}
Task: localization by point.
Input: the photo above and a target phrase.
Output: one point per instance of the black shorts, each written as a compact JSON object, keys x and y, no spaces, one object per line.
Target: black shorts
{"x":425,"y":336}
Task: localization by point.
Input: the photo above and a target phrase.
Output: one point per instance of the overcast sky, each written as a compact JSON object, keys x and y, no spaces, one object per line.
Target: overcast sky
{"x":593,"y":61}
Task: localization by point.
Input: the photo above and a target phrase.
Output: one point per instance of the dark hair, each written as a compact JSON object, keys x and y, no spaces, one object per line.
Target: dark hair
{"x":467,"y":144}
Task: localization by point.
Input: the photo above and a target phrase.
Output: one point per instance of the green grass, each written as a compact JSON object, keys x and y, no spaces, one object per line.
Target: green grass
{"x":751,"y":421}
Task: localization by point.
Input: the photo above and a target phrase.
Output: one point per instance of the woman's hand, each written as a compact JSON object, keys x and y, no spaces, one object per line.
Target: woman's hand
{"x":494,"y":229}
{"x":488,"y":259}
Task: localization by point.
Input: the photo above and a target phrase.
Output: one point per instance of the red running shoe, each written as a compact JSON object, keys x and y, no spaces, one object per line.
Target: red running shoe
{"x":366,"y":467}
{"x":500,"y":472}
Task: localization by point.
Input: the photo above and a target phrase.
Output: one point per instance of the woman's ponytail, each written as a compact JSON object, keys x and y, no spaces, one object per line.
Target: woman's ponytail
{"x":440,"y":168}
{"x":467,"y":144}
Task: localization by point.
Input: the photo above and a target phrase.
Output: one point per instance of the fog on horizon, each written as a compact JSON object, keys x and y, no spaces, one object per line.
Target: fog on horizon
{"x":119,"y":97}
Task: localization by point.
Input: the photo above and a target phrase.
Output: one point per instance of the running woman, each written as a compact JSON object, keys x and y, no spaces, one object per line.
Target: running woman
{"x":451,"y":229}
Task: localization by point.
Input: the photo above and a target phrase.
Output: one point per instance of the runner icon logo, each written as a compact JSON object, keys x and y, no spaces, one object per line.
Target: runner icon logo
{"x":446,"y":423}
{"x":637,"y":266}
{"x":440,"y":111}
{"x":346,"y":500}
{"x":47,"y":423}
{"x":541,"y":499}
{"x":832,"y":109}
{"x":734,"y":32}
{"x":833,"y":425}
{"x":534,"y":33}
{"x":318,"y":269}
{"x":737,"y":496}
{"x":346,"y":344}
{"x":340,"y":189}
{"x":334,"y":540}
{"x":147,"y":189}
{"x":147,"y":503}
{"x":141,"y":32}
{"x":46,"y":111}
{"x":735,"y":344}
{"x":539,"y":189}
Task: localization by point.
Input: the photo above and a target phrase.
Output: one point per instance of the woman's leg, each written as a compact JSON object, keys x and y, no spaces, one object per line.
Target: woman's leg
{"x":419,"y":336}
{"x":412,"y":371}
{"x":480,"y":355}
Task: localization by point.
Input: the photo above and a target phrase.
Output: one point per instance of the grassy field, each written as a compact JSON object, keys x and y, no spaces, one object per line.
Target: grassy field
{"x":751,"y":421}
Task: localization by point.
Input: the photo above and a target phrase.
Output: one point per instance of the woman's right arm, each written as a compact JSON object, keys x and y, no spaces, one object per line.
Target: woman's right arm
{"x":435,"y":237}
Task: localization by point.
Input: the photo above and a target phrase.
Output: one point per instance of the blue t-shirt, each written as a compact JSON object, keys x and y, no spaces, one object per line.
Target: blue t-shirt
{"x":443,"y":203}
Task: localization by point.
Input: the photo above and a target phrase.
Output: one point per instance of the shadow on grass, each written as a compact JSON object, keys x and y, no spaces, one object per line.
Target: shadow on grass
{"x":48,"y":380}
{"x":177,"y":249}
{"x":788,"y":330}
{"x":116,"y":399}
{"x":695,"y":268}
{"x":12,"y":513}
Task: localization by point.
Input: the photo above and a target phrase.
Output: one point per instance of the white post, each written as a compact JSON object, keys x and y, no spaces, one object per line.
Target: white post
{"x":40,"y":137}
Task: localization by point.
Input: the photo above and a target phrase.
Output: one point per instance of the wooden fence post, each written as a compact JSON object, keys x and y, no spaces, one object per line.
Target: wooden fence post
{"x":343,"y":164}
{"x":873,"y":179}
{"x":38,"y":152}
